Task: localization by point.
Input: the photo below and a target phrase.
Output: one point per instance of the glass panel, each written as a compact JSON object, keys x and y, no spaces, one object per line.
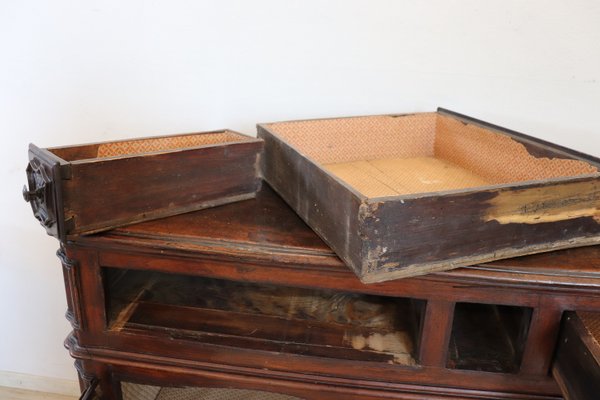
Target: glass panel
{"x":488,"y":337}
{"x":321,"y":323}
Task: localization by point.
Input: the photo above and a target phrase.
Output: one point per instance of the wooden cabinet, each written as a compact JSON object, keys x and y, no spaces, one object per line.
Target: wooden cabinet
{"x":245,"y":296}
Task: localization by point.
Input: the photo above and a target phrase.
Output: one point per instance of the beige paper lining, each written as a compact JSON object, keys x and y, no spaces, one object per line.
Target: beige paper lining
{"x":166,"y":143}
{"x":363,"y":138}
{"x":418,"y":153}
{"x":497,"y":157}
{"x":398,"y":176}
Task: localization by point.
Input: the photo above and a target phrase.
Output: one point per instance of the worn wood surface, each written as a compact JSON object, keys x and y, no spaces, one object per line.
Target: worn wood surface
{"x":475,"y":227}
{"x":394,"y":237}
{"x":275,"y":318}
{"x":264,"y":238}
{"x":542,"y":337}
{"x":327,"y":204}
{"x":322,"y":387}
{"x":96,"y":194}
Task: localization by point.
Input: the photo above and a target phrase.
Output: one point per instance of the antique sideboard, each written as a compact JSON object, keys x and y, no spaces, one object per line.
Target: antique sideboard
{"x":246,"y":296}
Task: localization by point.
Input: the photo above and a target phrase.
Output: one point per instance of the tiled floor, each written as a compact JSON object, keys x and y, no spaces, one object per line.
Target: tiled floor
{"x":20,"y":394}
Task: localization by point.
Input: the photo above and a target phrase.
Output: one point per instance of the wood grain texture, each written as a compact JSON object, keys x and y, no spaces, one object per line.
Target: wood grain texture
{"x":402,"y":176}
{"x":437,"y":327}
{"x":169,"y":371}
{"x":276,"y":318}
{"x":542,"y":338}
{"x":266,"y":232}
{"x":322,"y":201}
{"x":108,"y":193}
{"x":475,"y":227}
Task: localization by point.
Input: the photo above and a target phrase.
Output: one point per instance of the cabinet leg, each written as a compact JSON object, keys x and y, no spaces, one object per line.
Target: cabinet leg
{"x":99,"y":378}
{"x":85,"y":377}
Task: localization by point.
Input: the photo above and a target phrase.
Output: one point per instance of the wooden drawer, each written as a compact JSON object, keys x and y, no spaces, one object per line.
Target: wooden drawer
{"x":404,"y":195}
{"x":577,"y":361}
{"x":90,"y":188}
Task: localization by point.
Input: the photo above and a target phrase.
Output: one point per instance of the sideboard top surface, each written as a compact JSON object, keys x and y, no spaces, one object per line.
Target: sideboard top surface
{"x":266,"y":230}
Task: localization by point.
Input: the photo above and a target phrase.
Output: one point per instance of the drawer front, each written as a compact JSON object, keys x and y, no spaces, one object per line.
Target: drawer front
{"x":577,"y":362}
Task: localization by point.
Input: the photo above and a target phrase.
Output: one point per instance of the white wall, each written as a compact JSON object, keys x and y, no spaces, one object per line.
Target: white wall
{"x":80,"y":71}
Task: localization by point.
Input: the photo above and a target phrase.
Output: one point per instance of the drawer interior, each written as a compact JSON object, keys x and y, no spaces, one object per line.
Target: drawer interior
{"x":488,"y":337}
{"x":313,"y":322}
{"x":576,"y":365}
{"x":418,"y":153}
{"x":147,"y":145}
{"x":322,"y":323}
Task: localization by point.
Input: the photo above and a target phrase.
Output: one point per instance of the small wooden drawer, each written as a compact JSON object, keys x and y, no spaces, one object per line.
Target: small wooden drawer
{"x":404,"y":195}
{"x":577,"y":361}
{"x":90,"y":188}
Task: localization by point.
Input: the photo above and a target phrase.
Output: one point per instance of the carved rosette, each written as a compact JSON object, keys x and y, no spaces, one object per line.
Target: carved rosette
{"x":72,"y":286}
{"x":40,"y":195}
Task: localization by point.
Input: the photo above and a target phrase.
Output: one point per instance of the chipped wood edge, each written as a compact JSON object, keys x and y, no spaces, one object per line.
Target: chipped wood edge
{"x":546,"y":204}
{"x":423,"y":269}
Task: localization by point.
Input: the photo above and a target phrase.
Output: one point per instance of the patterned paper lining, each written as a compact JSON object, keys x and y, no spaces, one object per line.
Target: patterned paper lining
{"x":418,"y":144}
{"x":167,"y":143}
{"x":497,"y":157}
{"x":592,"y":323}
{"x":341,"y":140}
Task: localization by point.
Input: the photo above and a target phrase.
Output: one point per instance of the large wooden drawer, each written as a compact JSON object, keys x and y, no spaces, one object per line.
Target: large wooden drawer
{"x":404,"y":195}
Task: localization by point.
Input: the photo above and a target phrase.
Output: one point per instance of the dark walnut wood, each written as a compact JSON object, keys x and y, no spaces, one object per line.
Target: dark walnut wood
{"x":247,"y":296}
{"x":577,"y":362}
{"x":390,"y":236}
{"x":77,"y":190}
